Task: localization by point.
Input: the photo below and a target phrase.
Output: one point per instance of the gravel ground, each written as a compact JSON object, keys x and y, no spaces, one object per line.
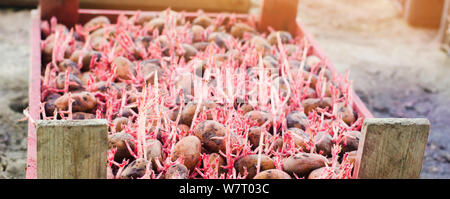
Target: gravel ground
{"x":397,"y":70}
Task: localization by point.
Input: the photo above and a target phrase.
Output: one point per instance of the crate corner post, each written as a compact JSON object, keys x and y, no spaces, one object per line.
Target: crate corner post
{"x":66,"y":11}
{"x":74,"y":149}
{"x":391,"y":148}
{"x":278,"y":14}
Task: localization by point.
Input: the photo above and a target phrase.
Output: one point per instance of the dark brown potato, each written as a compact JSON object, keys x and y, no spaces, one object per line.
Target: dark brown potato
{"x":213,"y":157}
{"x":250,"y":162}
{"x":50,"y":103}
{"x":177,"y":171}
{"x":301,"y":139}
{"x":47,"y":51}
{"x":184,"y":127}
{"x":278,"y":144}
{"x":154,"y":150}
{"x":187,"y":114}
{"x":189,"y":149}
{"x":350,"y":141}
{"x":297,"y":119}
{"x":149,"y":70}
{"x":87,"y":57}
{"x":75,"y":82}
{"x":312,"y":104}
{"x":135,"y":169}
{"x":285,"y":37}
{"x":67,"y":63}
{"x":212,"y":135}
{"x":82,"y":116}
{"x":125,"y":68}
{"x":254,"y":135}
{"x":203,"y":21}
{"x":104,"y":88}
{"x":117,"y":141}
{"x":324,"y":143}
{"x":303,"y":163}
{"x":96,"y":23}
{"x":118,"y":122}
{"x":346,"y":112}
{"x":259,"y":117}
{"x":82,"y":102}
{"x":272,"y":174}
{"x":238,"y":30}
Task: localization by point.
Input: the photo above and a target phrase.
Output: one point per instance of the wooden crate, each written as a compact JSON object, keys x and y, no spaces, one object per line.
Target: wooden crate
{"x":283,"y":10}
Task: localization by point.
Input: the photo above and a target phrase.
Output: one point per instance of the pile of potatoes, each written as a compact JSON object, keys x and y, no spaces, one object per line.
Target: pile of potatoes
{"x":105,"y":65}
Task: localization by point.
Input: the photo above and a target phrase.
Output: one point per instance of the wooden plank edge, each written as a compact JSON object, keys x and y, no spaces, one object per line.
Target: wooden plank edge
{"x":34,"y":91}
{"x":387,"y":122}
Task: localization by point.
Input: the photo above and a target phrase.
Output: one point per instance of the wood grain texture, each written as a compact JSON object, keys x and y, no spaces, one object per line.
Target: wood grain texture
{"x":391,"y":148}
{"x":72,"y":149}
{"x":238,"y":6}
{"x":279,"y":14}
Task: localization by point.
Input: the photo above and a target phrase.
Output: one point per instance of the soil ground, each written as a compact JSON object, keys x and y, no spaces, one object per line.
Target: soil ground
{"x":398,"y":71}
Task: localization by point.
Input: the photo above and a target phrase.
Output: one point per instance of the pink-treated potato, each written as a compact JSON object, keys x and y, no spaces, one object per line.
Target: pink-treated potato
{"x":75,"y":82}
{"x":188,"y":148}
{"x":250,"y":162}
{"x":177,"y":171}
{"x":212,"y":135}
{"x":203,"y":21}
{"x":272,"y":174}
{"x":303,"y":163}
{"x":259,"y":117}
{"x":297,"y":119}
{"x":125,"y":69}
{"x":96,"y":23}
{"x":82,"y":102}
{"x":118,"y":141}
{"x":119,"y":122}
{"x":324,"y":143}
{"x":154,"y":151}
{"x":285,"y":37}
{"x":135,"y":169}
{"x":238,"y":30}
{"x":312,"y":104}
{"x":82,"y":116}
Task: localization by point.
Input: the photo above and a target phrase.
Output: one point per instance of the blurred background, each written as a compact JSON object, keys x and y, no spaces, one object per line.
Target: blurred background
{"x":397,"y":61}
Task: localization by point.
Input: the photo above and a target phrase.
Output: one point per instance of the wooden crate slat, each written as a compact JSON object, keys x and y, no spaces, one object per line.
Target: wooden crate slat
{"x":34,"y":92}
{"x":75,"y":149}
{"x":391,"y":148}
{"x":238,"y":6}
